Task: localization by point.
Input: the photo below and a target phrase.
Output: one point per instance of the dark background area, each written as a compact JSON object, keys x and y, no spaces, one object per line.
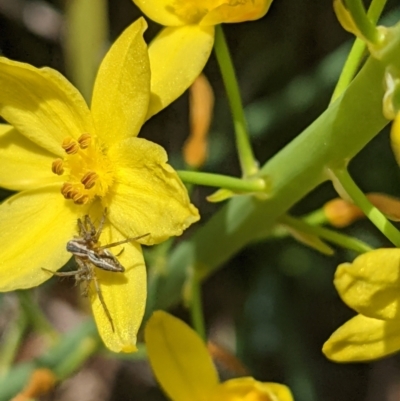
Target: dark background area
{"x":274,"y":303}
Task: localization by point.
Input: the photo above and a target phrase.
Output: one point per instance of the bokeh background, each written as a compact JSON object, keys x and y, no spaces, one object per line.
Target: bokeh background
{"x":274,"y":304}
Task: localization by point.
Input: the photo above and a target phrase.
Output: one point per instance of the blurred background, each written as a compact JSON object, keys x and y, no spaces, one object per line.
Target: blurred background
{"x":274,"y":304}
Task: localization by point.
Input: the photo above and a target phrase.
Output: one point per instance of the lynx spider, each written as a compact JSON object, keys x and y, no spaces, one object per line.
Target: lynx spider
{"x":88,"y":253}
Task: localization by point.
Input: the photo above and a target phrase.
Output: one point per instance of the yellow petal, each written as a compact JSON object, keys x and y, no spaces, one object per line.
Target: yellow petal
{"x":42,"y":105}
{"x":161,"y":11}
{"x":34,"y":229}
{"x":248,"y":389}
{"x":243,"y":11}
{"x":371,"y":284}
{"x":122,"y":88}
{"x":124,"y":295}
{"x":363,"y":339}
{"x":177,"y":57}
{"x":148,"y":196}
{"x":179,"y":359}
{"x":24,"y":165}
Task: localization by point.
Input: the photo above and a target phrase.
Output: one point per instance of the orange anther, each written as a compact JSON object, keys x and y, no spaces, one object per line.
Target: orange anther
{"x":89,"y":179}
{"x":57,"y":167}
{"x":70,"y":146}
{"x":84,"y":141}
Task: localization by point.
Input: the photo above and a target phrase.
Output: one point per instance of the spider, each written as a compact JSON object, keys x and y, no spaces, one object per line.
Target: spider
{"x":89,"y":254}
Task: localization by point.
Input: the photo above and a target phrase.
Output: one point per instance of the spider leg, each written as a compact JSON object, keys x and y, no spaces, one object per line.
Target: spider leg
{"x":90,"y":228}
{"x":86,"y":274}
{"x":103,"y":303}
{"x":101,"y":225}
{"x":123,"y":241}
{"x":81,"y":228}
{"x":62,"y":274}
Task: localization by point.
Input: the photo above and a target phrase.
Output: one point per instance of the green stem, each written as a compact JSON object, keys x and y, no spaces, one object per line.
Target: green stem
{"x":345,"y":241}
{"x":247,"y":160}
{"x":35,"y":315}
{"x":196,"y":308}
{"x":375,"y":10}
{"x":223,"y":181}
{"x":85,"y":41}
{"x":350,"y":68}
{"x":364,"y":24}
{"x":358,"y":197}
{"x":316,"y":218}
{"x":84,"y":350}
{"x":356,"y":53}
{"x":11,"y":341}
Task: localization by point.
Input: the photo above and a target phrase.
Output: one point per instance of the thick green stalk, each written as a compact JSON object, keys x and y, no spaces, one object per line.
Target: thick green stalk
{"x":247,"y":160}
{"x":334,"y":138}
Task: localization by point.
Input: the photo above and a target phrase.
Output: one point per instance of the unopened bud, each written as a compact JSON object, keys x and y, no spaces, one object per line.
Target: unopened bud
{"x":341,"y":213}
{"x":201,"y":109}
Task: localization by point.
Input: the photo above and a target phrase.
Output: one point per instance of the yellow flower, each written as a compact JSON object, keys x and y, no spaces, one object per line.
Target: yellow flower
{"x":69,"y":161}
{"x":187,"y":41}
{"x":185,"y":370}
{"x":371,"y":286}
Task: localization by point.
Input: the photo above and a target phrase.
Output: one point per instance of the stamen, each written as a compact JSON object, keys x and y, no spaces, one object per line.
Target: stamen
{"x":88,"y":172}
{"x":68,"y":190}
{"x":89,"y":179}
{"x":57,"y":167}
{"x":84,"y":141}
{"x":70,"y":146}
{"x":80,"y":199}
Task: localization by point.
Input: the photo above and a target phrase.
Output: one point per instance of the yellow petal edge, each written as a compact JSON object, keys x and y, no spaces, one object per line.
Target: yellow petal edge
{"x":179,"y":359}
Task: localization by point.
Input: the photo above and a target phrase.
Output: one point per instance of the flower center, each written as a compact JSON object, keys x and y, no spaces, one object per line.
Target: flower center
{"x":86,"y":167}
